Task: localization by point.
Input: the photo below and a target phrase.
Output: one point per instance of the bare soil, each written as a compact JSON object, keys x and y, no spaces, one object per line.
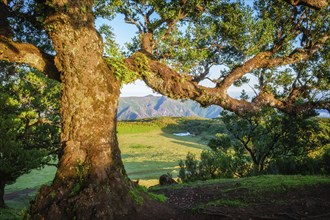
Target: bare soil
{"x":193,"y":203}
{"x":311,"y":202}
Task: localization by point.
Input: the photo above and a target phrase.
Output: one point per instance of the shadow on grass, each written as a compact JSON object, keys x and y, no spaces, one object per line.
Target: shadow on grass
{"x":149,"y":169}
{"x":200,"y":129}
{"x":188,"y":141}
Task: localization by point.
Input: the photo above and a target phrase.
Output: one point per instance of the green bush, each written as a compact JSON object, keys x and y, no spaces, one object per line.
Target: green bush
{"x":325,"y":161}
{"x":305,"y":166}
{"x":213,"y":164}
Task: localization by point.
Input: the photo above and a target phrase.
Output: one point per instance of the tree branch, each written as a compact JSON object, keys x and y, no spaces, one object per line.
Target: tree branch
{"x":29,"y":54}
{"x":265,"y":60}
{"x":170,"y":83}
{"x":315,"y":4}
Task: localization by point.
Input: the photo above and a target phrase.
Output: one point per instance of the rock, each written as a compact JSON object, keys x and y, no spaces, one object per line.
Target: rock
{"x":166,"y":179}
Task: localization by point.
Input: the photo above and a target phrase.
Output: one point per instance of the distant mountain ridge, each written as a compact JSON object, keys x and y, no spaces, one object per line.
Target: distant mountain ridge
{"x":131,"y":108}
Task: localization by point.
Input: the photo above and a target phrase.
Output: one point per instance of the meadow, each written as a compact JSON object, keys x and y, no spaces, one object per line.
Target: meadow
{"x":149,"y":149}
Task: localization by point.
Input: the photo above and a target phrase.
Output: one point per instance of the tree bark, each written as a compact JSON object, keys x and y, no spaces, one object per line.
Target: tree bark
{"x":2,"y":194}
{"x":91,"y":182}
{"x":29,"y":54}
{"x":315,"y":4}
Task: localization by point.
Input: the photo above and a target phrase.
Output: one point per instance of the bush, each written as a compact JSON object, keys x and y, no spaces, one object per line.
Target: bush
{"x":188,"y":168}
{"x":304,"y":166}
{"x":213,"y":164}
{"x":325,"y":162}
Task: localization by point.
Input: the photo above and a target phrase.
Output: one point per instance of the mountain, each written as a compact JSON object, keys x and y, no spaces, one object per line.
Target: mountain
{"x":131,"y":108}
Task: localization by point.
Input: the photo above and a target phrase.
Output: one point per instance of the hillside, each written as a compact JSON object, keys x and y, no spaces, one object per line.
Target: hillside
{"x":131,"y":108}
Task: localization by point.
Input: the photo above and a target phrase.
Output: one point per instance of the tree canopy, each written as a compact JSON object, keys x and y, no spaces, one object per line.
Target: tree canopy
{"x":284,"y":46}
{"x":29,"y":119}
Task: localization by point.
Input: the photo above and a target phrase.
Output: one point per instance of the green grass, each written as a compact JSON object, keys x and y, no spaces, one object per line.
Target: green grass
{"x":279,"y":183}
{"x":259,"y":184}
{"x":135,"y":127}
{"x":149,"y":149}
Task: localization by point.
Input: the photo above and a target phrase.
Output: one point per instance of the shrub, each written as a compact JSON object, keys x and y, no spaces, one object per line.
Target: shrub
{"x":325,"y":161}
{"x":294,"y":165}
{"x":213,"y":164}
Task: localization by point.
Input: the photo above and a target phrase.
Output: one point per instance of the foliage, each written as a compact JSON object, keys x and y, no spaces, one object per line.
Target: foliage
{"x":269,"y":142}
{"x":29,"y":132}
{"x":114,"y":56}
{"x":193,"y":36}
{"x":325,"y":161}
{"x":269,"y":135}
{"x":306,"y":165}
{"x":214,"y":164}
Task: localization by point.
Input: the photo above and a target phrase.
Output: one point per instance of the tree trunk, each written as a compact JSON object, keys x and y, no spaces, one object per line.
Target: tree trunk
{"x":2,"y":194}
{"x":90,"y":182}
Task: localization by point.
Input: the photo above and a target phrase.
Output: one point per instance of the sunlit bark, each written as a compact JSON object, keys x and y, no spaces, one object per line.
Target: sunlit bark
{"x":28,"y":54}
{"x":90,"y":181}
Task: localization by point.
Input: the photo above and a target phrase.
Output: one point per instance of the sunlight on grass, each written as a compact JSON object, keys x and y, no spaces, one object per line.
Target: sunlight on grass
{"x":278,"y":183}
{"x":149,"y":149}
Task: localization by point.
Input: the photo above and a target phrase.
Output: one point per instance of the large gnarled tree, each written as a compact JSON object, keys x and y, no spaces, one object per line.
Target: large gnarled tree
{"x":284,"y":44}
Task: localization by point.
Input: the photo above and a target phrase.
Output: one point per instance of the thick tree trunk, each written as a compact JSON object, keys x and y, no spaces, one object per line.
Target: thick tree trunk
{"x":90,"y":182}
{"x":2,"y":194}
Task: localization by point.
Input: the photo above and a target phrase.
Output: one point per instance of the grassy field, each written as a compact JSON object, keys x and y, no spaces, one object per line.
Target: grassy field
{"x":149,"y":149}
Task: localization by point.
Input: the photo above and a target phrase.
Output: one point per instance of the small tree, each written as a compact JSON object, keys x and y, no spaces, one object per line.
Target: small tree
{"x":29,"y":130}
{"x":267,"y":135}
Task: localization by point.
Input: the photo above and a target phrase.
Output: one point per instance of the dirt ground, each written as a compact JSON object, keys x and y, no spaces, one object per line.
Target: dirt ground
{"x":193,"y":203}
{"x":311,"y":202}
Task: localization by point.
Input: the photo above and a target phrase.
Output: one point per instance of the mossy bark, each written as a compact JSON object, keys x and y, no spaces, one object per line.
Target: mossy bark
{"x":90,"y":182}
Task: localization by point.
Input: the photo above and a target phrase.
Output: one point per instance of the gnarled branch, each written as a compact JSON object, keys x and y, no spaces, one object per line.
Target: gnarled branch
{"x":170,"y":83}
{"x":29,"y":54}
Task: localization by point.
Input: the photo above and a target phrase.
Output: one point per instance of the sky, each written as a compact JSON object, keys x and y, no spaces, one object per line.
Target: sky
{"x":124,"y":33}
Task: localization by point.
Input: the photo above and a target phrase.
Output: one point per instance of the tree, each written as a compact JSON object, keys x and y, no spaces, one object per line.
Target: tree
{"x":29,"y":119}
{"x":269,"y":135}
{"x":178,"y":43}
